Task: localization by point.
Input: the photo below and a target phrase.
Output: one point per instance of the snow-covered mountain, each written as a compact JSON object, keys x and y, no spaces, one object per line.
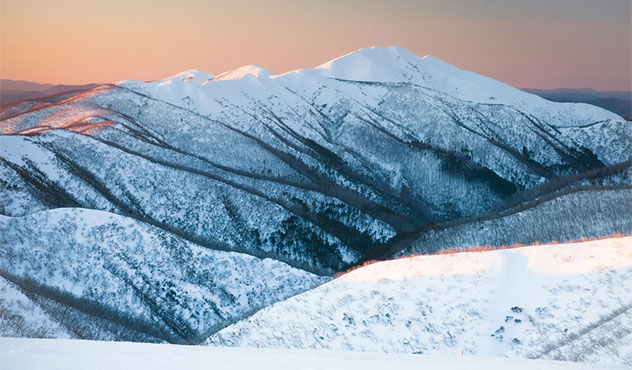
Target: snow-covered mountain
{"x":316,"y":167}
{"x":567,"y":302}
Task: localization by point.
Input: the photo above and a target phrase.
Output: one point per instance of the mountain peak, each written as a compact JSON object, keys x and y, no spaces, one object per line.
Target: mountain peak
{"x":192,"y":76}
{"x":392,"y":64}
{"x":241,"y":72}
{"x":379,"y":64}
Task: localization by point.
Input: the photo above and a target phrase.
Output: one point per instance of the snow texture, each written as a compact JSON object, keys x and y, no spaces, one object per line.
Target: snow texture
{"x":549,"y":301}
{"x":18,"y":354}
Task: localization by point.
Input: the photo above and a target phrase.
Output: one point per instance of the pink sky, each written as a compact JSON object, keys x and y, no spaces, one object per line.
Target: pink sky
{"x":536,"y":44}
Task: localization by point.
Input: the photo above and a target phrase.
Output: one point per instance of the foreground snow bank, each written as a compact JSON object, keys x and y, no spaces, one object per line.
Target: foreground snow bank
{"x":76,"y":354}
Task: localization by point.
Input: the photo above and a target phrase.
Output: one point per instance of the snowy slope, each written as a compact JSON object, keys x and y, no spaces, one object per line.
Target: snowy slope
{"x":95,"y":275}
{"x":68,"y":355}
{"x":377,"y":64}
{"x":20,"y":316}
{"x":572,"y":216}
{"x":567,"y":301}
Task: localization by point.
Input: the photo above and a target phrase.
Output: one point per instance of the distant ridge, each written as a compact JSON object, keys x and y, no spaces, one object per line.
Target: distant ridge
{"x":619,"y":102}
{"x":12,"y":91}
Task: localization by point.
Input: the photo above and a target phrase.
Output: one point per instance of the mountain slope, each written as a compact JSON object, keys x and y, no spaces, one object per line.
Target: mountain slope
{"x":559,"y":217}
{"x":95,"y":275}
{"x":566,"y":301}
{"x":315,"y":168}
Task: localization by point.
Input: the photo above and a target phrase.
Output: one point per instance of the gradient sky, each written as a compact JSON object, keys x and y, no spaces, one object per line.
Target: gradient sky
{"x":536,"y":43}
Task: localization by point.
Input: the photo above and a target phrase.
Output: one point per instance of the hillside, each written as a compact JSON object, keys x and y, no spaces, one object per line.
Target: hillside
{"x":14,"y":91}
{"x":567,"y":302}
{"x":559,"y":217}
{"x":76,"y":273}
{"x":619,"y":102}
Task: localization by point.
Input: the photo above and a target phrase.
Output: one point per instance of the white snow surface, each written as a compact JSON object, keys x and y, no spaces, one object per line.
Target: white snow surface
{"x":77,"y":354}
{"x":568,"y":301}
{"x":242,"y":72}
{"x":398,"y":65}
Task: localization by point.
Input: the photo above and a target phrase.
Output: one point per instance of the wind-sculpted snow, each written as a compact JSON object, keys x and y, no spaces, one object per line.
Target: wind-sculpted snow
{"x":317,"y":168}
{"x":96,"y":275}
{"x":567,"y":301}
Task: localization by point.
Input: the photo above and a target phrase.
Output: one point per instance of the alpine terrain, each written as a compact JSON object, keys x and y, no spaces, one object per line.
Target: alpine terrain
{"x":175,"y":210}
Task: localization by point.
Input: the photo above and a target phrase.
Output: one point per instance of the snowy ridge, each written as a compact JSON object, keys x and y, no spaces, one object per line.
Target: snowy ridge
{"x":534,"y":302}
{"x":398,"y":65}
{"x":239,"y":73}
{"x":193,"y":77}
